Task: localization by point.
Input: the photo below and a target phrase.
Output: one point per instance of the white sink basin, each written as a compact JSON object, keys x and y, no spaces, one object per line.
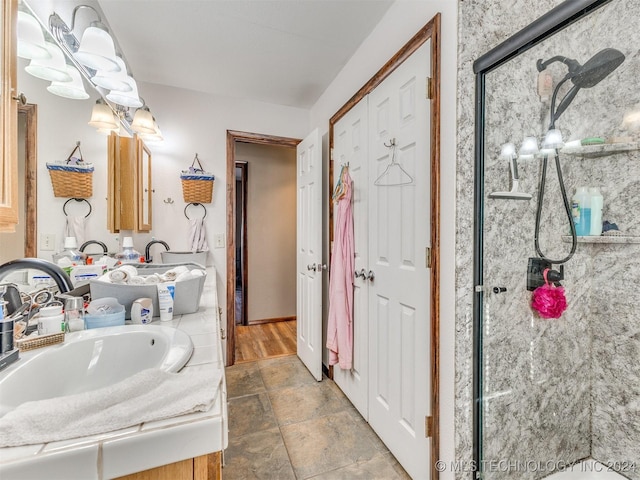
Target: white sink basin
{"x":92,"y":359}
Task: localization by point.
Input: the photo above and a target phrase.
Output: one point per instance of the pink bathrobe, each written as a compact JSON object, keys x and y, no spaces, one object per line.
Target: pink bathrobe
{"x":340,"y":324}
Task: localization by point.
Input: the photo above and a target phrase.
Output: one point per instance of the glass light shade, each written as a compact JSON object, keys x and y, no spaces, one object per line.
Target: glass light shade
{"x":143,"y":121}
{"x":508,"y":150}
{"x":529,"y":147}
{"x":113,"y":80}
{"x":631,"y":119}
{"x":97,"y":50}
{"x":155,"y":137}
{"x":552,"y":140}
{"x":30,"y":38}
{"x":73,"y":89}
{"x":102,"y":117}
{"x":52,"y":69}
{"x":126,"y":99}
{"x":107,"y":131}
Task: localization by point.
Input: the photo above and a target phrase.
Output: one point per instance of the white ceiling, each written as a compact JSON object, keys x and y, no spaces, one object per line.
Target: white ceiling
{"x":278,"y":51}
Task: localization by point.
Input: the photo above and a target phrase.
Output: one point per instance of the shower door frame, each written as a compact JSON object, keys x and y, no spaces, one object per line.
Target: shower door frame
{"x":544,"y":27}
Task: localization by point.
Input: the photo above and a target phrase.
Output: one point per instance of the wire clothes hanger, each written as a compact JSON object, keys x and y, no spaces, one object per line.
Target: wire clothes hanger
{"x":394,"y":174}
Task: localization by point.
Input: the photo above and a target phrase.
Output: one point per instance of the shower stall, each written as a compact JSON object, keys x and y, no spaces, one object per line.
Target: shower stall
{"x":558,"y":394}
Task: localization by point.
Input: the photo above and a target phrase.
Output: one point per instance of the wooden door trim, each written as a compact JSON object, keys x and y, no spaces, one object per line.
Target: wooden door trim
{"x":431,"y":31}
{"x":31,"y":179}
{"x":234,"y":136}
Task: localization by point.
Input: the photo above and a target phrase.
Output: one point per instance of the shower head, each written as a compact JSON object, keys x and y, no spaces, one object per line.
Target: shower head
{"x":596,"y":69}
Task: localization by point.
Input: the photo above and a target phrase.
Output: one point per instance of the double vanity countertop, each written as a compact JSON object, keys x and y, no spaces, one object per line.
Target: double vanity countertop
{"x":148,"y":445}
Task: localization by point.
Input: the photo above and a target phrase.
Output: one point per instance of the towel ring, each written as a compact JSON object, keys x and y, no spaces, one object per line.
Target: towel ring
{"x":64,"y":207}
{"x":193,"y":203}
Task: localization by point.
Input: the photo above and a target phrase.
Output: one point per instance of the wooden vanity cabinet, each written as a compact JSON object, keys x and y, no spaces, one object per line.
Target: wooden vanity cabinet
{"x":206,"y":467}
{"x":129,"y":189}
{"x":8,"y":117}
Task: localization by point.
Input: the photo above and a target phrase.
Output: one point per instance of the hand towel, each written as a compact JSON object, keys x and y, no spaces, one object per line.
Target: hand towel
{"x":75,"y":227}
{"x":118,"y":276}
{"x":150,"y":395}
{"x":152,"y":279}
{"x":137,"y":280}
{"x":197,"y":236}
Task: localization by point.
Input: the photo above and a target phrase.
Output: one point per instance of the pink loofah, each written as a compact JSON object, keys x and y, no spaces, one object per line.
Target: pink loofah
{"x":548,"y":300}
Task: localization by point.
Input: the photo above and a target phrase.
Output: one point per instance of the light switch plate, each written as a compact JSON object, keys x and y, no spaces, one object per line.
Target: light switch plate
{"x":48,"y":241}
{"x":219,"y":240}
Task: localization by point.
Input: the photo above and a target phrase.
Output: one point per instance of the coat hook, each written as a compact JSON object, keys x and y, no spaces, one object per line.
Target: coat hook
{"x":168,"y":201}
{"x":392,"y":143}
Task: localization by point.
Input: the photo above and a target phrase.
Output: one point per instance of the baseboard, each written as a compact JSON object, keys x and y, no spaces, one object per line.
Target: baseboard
{"x":272,"y":320}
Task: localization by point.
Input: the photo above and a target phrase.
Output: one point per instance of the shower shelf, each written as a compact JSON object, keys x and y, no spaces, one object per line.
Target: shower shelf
{"x":602,"y":150}
{"x":604,"y":239}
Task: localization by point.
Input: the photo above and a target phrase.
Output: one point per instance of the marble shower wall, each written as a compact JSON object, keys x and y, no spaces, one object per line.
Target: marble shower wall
{"x":555,"y":390}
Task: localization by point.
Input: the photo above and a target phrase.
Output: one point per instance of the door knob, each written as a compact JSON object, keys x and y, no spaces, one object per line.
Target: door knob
{"x":370,"y":275}
{"x":362,"y":273}
{"x":322,"y":266}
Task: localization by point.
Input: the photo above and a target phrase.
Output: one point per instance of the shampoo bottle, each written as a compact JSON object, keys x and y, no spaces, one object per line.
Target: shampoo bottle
{"x":596,"y":202}
{"x":581,"y":212}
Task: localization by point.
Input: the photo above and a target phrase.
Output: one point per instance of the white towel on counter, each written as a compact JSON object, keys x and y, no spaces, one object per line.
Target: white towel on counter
{"x":149,"y":395}
{"x":197,"y":236}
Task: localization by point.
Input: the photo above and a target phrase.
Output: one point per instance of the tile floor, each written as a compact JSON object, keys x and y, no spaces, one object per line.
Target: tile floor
{"x":283,"y":424}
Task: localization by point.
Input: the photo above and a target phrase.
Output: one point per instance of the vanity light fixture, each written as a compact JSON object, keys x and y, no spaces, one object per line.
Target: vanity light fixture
{"x":73,"y":89}
{"x":53,"y":68}
{"x":143,"y":121}
{"x":118,"y":81}
{"x":529,"y":148}
{"x":97,"y":50}
{"x":126,"y":99}
{"x":552,"y":141}
{"x":155,"y":137}
{"x":30,"y":38}
{"x":508,"y":151}
{"x":102,"y":116}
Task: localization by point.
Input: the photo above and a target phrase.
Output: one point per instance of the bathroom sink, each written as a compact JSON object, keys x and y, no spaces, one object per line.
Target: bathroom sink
{"x":92,"y":359}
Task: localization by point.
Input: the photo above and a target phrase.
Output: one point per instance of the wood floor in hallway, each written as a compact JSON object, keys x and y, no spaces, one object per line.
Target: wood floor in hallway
{"x":284,"y":425}
{"x":265,"y":340}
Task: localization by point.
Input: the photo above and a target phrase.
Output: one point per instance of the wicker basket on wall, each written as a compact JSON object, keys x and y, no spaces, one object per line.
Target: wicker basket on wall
{"x":197,"y":185}
{"x":72,"y":178}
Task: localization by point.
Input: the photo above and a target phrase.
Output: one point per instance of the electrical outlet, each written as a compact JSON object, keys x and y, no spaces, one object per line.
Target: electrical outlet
{"x":48,"y":241}
{"x":219,"y":240}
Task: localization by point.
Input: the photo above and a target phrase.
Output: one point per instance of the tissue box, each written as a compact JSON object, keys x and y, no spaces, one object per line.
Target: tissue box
{"x":186,"y":298}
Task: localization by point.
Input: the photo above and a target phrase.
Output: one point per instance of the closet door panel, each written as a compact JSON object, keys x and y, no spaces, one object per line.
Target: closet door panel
{"x":351,"y":145}
{"x":399,"y":212}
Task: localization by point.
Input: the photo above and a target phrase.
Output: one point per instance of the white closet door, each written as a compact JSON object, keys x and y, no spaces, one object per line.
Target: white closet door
{"x":399,"y":295}
{"x":309,"y":253}
{"x":350,"y":146}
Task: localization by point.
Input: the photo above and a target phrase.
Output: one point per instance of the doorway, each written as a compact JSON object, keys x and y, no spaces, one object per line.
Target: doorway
{"x":237,"y":237}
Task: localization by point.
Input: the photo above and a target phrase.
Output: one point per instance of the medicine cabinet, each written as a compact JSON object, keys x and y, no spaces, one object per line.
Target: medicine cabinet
{"x":129,"y":184}
{"x":8,"y":119}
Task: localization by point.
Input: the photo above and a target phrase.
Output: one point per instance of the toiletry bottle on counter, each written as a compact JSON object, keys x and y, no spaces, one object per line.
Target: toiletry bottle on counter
{"x":128,"y":253}
{"x":581,"y":211}
{"x":166,"y":292}
{"x":74,"y":313}
{"x":142,"y":311}
{"x":596,"y":201}
{"x":70,"y":256}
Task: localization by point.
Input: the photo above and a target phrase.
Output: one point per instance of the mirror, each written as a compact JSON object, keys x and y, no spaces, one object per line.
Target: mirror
{"x":145,"y":188}
{"x":564,"y":383}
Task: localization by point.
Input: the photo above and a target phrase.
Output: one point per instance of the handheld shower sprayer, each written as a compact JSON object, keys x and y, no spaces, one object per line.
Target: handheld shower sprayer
{"x":594,"y":70}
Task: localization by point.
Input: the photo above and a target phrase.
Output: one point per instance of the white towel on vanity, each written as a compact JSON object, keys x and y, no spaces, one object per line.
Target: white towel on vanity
{"x":149,"y":395}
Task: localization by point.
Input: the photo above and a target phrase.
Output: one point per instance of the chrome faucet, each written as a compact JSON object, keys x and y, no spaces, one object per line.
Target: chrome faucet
{"x":55,"y":272}
{"x":147,"y":249}
{"x":97,"y":242}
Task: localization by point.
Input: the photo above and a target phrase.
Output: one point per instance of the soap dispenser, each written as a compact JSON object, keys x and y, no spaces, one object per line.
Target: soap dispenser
{"x":128,"y":253}
{"x":70,"y":256}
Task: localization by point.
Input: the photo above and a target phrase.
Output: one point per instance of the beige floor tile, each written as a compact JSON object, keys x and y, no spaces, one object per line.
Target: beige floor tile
{"x":324,"y":444}
{"x":286,"y":374}
{"x":243,"y":379}
{"x":380,"y":467}
{"x":249,"y":414}
{"x":260,"y":455}
{"x":297,"y":404}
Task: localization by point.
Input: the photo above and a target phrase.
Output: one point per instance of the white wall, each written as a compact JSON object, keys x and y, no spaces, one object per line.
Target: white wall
{"x":402,"y":21}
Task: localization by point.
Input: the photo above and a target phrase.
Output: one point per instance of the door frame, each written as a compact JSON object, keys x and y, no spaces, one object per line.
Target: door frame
{"x":30,"y":111}
{"x":234,"y":136}
{"x":431,"y":31}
